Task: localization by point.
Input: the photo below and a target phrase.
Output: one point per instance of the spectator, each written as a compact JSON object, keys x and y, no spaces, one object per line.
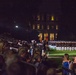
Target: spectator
{"x":14,"y":69}
{"x":28,"y":58}
{"x":10,"y":57}
{"x":51,"y":71}
{"x":22,"y":55}
{"x":66,"y":64}
{"x":40,"y":67}
{"x":74,"y":65}
{"x":37,"y":61}
{"x":26,"y":68}
{"x":2,"y":65}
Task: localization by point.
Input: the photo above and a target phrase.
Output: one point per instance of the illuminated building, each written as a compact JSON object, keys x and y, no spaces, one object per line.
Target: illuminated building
{"x":47,"y":25}
{"x":47,"y":20}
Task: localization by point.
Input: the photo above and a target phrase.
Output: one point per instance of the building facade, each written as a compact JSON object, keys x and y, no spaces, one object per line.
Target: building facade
{"x":47,"y":25}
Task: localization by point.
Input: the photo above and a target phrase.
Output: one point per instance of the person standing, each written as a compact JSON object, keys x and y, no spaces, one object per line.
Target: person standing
{"x":66,"y":64}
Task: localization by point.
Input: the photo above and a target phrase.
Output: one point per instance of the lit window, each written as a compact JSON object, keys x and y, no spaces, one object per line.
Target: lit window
{"x":46,"y":36}
{"x":48,"y":27}
{"x":56,"y":27}
{"x":51,"y":36}
{"x":52,"y":18}
{"x":38,"y":17}
{"x":40,"y":36}
{"x":42,"y":27}
{"x":56,"y":35}
{"x":33,"y":26}
{"x":38,"y":26}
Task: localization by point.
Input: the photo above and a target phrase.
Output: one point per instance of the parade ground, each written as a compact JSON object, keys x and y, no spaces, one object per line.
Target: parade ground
{"x":59,"y":53}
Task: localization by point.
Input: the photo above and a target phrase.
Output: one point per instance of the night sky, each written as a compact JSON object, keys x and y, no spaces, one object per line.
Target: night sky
{"x":19,"y":11}
{"x":69,"y":13}
{"x":16,"y":10}
{"x":68,"y":19}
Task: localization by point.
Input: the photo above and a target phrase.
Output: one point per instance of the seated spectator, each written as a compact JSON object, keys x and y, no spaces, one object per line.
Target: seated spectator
{"x":22,"y":55}
{"x":74,"y":65}
{"x":14,"y":69}
{"x":37,"y":61}
{"x":9,"y":58}
{"x":40,"y":67}
{"x":28,"y":58}
{"x":20,"y":68}
{"x":2,"y":65}
{"x":26,"y":68}
{"x":51,"y":71}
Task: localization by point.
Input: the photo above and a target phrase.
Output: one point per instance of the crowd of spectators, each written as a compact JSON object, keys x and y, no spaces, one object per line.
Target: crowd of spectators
{"x":19,"y":57}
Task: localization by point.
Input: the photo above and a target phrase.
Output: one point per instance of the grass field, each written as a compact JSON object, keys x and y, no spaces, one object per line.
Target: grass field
{"x":56,"y":56}
{"x":61,"y":53}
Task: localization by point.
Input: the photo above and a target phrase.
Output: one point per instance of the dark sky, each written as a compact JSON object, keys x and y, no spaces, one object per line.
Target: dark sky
{"x":68,"y":8}
{"x":19,"y":11}
{"x":51,"y":6}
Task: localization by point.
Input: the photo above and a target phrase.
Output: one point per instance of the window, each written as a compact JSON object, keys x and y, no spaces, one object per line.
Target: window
{"x":52,"y":18}
{"x":42,"y":27}
{"x":51,"y":36}
{"x":46,"y":36}
{"x":38,"y":17}
{"x":40,"y":36}
{"x":48,"y":27}
{"x":56,"y":27}
{"x":52,"y":27}
{"x":48,"y":17}
{"x":42,"y":17}
{"x":56,"y":35}
{"x":38,"y":26}
{"x":33,"y":26}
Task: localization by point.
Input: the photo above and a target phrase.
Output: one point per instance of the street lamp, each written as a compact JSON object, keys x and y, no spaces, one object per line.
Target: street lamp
{"x":16,"y":26}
